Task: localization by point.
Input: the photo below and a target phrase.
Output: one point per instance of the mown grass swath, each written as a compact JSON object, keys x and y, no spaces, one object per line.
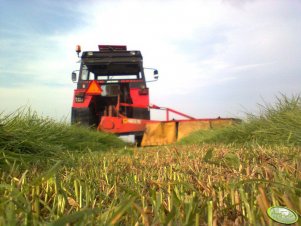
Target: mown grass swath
{"x":181,"y":184}
{"x":24,"y":133}
{"x":278,"y":124}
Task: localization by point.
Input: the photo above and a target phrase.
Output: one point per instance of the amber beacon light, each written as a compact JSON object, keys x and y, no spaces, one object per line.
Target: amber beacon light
{"x":78,"y":50}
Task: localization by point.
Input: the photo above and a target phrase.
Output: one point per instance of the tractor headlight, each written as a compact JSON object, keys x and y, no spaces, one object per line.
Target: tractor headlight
{"x":143,"y":90}
{"x":79,"y":98}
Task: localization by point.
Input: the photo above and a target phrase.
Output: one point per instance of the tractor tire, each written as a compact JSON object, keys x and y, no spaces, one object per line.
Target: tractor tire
{"x":138,"y":140}
{"x":141,"y":113}
{"x":84,"y":116}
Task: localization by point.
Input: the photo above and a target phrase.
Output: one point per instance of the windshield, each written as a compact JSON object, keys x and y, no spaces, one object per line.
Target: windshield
{"x":101,"y":73}
{"x":84,"y":73}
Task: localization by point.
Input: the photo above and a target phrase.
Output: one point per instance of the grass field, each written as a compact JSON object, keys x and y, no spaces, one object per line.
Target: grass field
{"x":55,"y":174}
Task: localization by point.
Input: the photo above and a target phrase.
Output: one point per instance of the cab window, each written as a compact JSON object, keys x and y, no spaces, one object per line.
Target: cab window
{"x":84,"y":73}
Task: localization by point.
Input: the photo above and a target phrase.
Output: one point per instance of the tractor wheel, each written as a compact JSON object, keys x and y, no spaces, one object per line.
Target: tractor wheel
{"x":84,"y":116}
{"x":138,"y":140}
{"x":141,"y":113}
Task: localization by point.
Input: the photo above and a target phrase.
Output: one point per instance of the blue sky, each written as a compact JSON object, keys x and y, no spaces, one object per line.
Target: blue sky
{"x":215,"y":58}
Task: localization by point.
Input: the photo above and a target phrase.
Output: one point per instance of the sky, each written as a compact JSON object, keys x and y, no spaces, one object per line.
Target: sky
{"x":214,"y":57}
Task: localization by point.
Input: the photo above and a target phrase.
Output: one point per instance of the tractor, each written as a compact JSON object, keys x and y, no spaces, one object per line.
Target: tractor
{"x":112,"y":96}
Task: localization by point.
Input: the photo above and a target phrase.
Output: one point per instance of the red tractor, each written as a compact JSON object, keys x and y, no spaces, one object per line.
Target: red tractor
{"x":111,"y":83}
{"x":112,"y":96}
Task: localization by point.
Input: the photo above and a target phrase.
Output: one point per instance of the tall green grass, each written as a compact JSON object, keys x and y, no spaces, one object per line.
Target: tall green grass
{"x":24,"y":134}
{"x":278,"y":124}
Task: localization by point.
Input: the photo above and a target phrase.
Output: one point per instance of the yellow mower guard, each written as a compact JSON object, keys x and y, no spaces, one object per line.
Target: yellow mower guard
{"x":162,"y":133}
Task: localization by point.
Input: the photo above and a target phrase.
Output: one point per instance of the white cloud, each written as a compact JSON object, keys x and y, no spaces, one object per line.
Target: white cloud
{"x":196,"y":45}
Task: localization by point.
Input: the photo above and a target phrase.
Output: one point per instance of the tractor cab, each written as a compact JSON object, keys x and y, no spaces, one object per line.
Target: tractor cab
{"x":111,"y":64}
{"x":111,"y":82}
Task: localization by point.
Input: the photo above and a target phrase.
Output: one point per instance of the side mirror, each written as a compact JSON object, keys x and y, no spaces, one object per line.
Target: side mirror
{"x":156,"y":74}
{"x":74,"y":76}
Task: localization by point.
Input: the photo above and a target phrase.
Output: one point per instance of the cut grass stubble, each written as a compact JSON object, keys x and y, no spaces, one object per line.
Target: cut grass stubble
{"x":176,"y":185}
